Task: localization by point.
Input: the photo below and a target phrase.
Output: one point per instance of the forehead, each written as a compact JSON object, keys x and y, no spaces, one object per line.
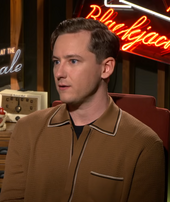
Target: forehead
{"x":73,"y":41}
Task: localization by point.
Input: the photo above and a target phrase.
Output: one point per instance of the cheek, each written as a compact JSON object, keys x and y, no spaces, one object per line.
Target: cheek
{"x":95,"y":75}
{"x":90,"y":80}
{"x":85,"y":75}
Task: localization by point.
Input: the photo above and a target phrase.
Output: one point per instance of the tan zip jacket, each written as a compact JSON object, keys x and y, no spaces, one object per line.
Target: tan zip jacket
{"x":116,"y":159}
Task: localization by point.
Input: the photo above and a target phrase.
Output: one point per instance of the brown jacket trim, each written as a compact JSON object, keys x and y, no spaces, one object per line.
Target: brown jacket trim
{"x":115,"y":128}
{"x":61,"y":117}
{"x":63,"y":113}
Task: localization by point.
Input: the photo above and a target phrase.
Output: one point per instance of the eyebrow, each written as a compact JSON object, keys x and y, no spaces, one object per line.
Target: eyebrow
{"x":54,"y":57}
{"x":68,"y":56}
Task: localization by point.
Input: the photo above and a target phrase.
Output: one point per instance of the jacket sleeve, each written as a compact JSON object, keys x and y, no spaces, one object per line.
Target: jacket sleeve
{"x":14,"y":177}
{"x":148,"y":184}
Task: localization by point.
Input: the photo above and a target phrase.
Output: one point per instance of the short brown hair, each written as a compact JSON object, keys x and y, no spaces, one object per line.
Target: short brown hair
{"x":103,"y":42}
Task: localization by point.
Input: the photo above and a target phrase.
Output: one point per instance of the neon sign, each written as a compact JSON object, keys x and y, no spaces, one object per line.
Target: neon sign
{"x":7,"y":51}
{"x":13,"y":67}
{"x":116,"y":5}
{"x":134,"y":35}
{"x":130,"y":5}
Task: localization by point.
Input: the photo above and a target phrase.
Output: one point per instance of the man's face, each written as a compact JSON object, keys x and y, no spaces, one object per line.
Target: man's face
{"x":76,"y":72}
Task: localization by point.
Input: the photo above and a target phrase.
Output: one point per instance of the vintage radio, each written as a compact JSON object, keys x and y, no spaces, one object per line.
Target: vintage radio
{"x":21,"y":103}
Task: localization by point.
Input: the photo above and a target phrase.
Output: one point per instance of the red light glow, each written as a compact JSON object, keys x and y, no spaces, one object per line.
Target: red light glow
{"x":133,"y":35}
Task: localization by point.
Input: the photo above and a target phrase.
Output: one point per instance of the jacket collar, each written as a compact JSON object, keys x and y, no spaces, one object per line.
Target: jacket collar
{"x":108,"y":123}
{"x":60,"y":117}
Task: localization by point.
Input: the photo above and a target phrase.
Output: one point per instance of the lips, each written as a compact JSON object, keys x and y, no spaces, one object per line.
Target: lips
{"x":63,"y":87}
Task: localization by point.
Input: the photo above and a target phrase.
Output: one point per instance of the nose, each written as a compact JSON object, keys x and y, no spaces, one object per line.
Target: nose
{"x":59,"y":71}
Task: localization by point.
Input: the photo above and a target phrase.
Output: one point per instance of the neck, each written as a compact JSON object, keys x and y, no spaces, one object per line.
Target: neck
{"x":89,"y":111}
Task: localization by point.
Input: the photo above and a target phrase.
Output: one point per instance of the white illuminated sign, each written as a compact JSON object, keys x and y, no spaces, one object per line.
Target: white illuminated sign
{"x":14,"y":67}
{"x":115,"y":5}
{"x":130,"y":5}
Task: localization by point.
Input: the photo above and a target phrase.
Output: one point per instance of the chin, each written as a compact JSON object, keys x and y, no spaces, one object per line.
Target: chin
{"x":71,"y":102}
{"x":66,"y":100}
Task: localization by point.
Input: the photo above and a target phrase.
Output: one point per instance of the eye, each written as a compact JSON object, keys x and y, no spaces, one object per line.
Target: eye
{"x":73,"y":61}
{"x":56,"y":62}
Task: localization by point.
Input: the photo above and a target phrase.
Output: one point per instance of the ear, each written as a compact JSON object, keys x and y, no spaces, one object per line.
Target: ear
{"x":108,"y":66}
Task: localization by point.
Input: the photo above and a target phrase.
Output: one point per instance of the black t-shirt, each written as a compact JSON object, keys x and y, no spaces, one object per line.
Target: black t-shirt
{"x":78,"y":129}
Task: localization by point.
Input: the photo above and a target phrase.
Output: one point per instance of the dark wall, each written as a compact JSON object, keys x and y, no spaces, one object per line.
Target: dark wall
{"x":4,"y":38}
{"x":30,"y":44}
{"x":57,"y":13}
{"x":146,"y":76}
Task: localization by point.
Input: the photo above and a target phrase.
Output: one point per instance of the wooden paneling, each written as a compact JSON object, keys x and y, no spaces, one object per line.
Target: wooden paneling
{"x":126,"y":76}
{"x":128,"y":84}
{"x":40,"y":45}
{"x":161,"y":85}
{"x":15,"y":31}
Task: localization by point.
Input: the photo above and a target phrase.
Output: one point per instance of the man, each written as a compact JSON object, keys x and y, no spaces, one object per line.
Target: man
{"x":88,"y":149}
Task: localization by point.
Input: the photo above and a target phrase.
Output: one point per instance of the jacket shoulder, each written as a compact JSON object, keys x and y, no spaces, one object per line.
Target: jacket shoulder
{"x":137,"y":128}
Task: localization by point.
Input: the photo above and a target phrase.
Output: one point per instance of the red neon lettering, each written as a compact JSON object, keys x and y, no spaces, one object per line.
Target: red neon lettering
{"x":149,"y":28}
{"x":107,"y":15}
{"x":135,"y":41}
{"x":110,"y":13}
{"x":137,"y":24}
{"x":134,"y":34}
{"x":161,"y":39}
{"x":151,"y":36}
{"x":111,"y":23}
{"x":168,"y":9}
{"x":95,"y":7}
{"x":118,"y":27}
{"x":167,"y":45}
